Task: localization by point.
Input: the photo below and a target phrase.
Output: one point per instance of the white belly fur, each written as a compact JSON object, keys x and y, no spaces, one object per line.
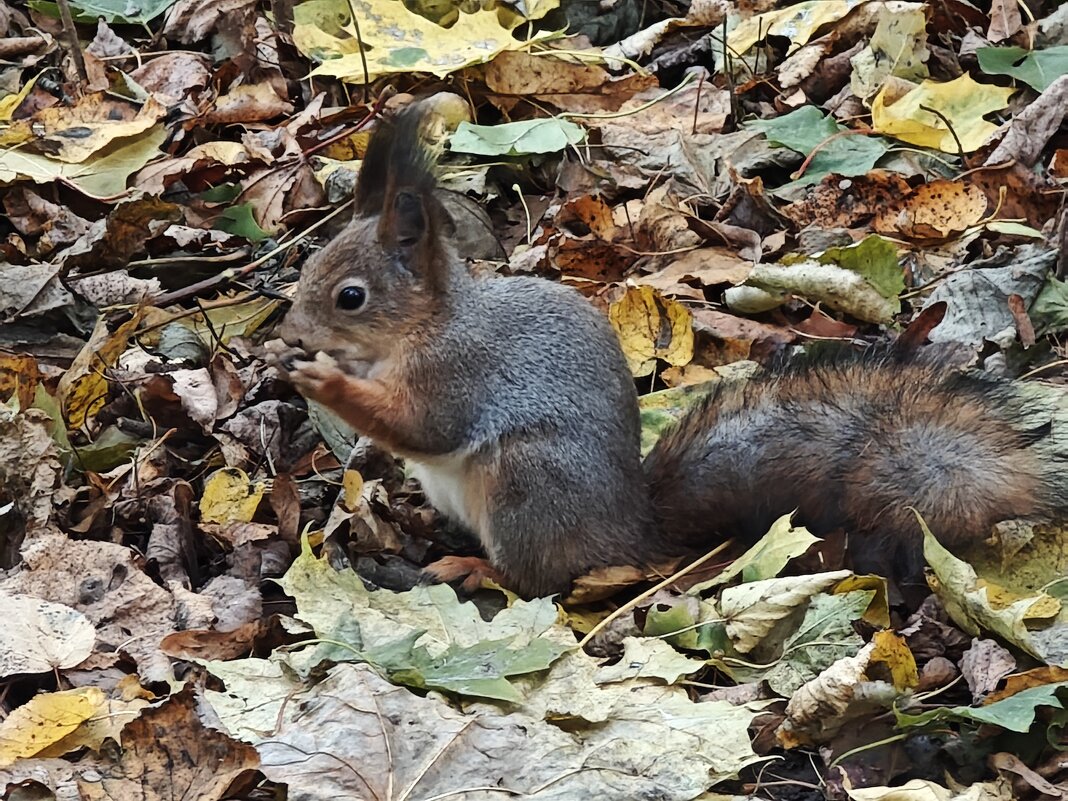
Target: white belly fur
{"x":449,"y":484}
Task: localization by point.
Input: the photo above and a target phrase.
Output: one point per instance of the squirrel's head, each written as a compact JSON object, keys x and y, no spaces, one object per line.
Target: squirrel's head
{"x":385,"y":275}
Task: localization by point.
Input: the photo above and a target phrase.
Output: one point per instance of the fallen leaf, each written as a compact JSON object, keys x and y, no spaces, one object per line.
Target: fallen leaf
{"x":41,"y":636}
{"x":83,"y":387}
{"x":44,"y":720}
{"x":230,"y":496}
{"x":901,"y":110}
{"x":652,"y":327}
{"x":399,"y":40}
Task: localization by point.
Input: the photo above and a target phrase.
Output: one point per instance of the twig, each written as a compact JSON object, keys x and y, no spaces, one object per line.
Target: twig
{"x":1043,"y":368}
{"x":633,"y":603}
{"x":226,"y":276}
{"x":697,"y":104}
{"x":363,"y":55}
{"x":952,"y":132}
{"x":75,"y":45}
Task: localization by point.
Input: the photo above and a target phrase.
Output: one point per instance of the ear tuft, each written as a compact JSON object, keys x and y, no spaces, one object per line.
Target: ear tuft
{"x":397,"y":159}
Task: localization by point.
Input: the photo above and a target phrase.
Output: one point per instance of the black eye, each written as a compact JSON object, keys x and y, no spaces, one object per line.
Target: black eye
{"x":351,"y":298}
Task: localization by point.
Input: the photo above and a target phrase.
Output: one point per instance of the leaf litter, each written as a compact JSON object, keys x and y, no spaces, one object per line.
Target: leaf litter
{"x":212,"y":594}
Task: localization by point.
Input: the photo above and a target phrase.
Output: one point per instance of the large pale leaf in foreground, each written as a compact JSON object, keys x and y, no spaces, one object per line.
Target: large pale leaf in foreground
{"x":1036,"y":623}
{"x":103,"y":174}
{"x":354,"y":735}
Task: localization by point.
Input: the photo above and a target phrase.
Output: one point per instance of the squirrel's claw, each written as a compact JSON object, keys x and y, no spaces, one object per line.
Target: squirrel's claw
{"x":281,"y":356}
{"x":472,"y":569}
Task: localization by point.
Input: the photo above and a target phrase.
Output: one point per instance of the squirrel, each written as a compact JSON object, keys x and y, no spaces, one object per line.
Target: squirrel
{"x":511,"y":401}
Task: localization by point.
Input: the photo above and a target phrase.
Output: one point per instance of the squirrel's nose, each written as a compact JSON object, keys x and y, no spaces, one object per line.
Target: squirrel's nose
{"x":289,"y":332}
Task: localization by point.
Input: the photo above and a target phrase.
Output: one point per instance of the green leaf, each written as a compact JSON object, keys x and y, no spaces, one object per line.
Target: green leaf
{"x":1015,"y":713}
{"x":480,"y":670}
{"x":675,"y":625}
{"x":875,"y":259}
{"x":648,"y":657}
{"x":223,"y":193}
{"x":1037,"y":68}
{"x":1050,"y":309}
{"x":825,"y":635}
{"x":104,"y":174}
{"x":807,"y":128}
{"x":425,"y":637}
{"x":57,"y":428}
{"x":122,"y":12}
{"x":111,"y":448}
{"x":240,"y":221}
{"x":549,"y":135}
{"x":767,"y":557}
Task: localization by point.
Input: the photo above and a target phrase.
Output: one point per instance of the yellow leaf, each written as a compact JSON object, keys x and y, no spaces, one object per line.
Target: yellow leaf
{"x":229,"y":496}
{"x":878,"y":611}
{"x":898,"y":47}
{"x":46,"y":719}
{"x":652,"y":327}
{"x":10,"y":102}
{"x":898,"y":111}
{"x":103,"y":175}
{"x":797,"y":23}
{"x":74,"y":133}
{"x":890,"y":649}
{"x":397,"y":40}
{"x":227,"y":322}
{"x":106,"y":723}
{"x":351,"y":487}
{"x":83,"y":388}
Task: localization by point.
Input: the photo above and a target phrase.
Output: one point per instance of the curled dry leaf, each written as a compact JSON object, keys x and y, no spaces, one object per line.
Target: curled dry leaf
{"x":838,"y":288}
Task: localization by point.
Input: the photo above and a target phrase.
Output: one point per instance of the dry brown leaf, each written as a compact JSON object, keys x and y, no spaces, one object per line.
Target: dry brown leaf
{"x":249,"y":103}
{"x":933,"y":210}
{"x":1005,"y":20}
{"x":105,"y":583}
{"x":559,"y":81}
{"x":169,"y":753}
{"x":839,"y":202}
{"x":74,"y":133}
{"x":171,"y":77}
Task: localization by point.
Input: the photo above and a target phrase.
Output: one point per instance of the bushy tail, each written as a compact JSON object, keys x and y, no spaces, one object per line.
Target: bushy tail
{"x":852,"y":443}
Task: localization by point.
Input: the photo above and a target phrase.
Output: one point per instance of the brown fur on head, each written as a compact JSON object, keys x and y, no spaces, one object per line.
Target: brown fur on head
{"x":382,"y":278}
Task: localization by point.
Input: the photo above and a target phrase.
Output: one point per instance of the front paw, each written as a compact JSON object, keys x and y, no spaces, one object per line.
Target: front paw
{"x":316,"y":378}
{"x":283,"y":357}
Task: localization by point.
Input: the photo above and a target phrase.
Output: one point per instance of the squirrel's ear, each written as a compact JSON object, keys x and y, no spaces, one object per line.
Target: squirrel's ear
{"x":410,"y":221}
{"x":371,"y":182}
{"x":413,"y":224}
